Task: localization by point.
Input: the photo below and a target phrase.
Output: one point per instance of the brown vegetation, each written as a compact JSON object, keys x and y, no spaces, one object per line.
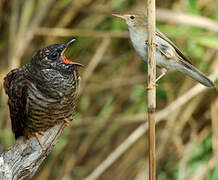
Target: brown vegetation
{"x":107,"y":138}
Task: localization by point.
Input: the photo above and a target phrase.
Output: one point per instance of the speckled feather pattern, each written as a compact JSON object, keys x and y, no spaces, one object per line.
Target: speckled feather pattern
{"x":41,"y":93}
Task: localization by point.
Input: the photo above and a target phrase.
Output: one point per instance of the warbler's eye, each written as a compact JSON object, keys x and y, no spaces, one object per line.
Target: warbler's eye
{"x":132,"y":17}
{"x":54,"y":55}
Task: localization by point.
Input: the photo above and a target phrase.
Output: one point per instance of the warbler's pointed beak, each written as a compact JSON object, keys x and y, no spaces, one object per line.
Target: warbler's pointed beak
{"x":119,"y":16}
{"x":63,"y":57}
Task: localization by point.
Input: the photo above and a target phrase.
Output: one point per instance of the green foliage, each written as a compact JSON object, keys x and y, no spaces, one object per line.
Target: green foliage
{"x":202,"y":153}
{"x":119,"y":4}
{"x":193,"y":7}
{"x":116,"y":25}
{"x":84,"y":103}
{"x":6,"y":139}
{"x":213,"y":174}
{"x":106,"y":109}
{"x":170,"y":170}
{"x":161,"y":94}
{"x":60,"y":5}
{"x":211,"y":42}
{"x":138,"y":99}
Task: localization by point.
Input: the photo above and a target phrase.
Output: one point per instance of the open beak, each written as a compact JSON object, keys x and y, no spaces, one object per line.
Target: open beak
{"x":63,"y":57}
{"x":119,"y":16}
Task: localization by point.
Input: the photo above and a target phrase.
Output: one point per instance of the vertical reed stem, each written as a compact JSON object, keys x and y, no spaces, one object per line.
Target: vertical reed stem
{"x":151,"y":87}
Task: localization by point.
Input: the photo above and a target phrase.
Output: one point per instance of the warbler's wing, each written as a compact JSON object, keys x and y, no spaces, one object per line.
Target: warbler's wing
{"x":15,"y":85}
{"x":183,"y":57}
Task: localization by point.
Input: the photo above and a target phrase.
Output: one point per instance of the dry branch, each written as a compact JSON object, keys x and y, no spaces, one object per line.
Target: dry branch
{"x":23,"y":43}
{"x":24,"y":158}
{"x":97,"y":57}
{"x":188,"y":19}
{"x":67,"y":32}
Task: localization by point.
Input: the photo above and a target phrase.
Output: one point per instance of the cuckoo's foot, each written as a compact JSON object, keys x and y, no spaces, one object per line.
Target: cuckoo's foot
{"x":37,"y":135}
{"x":41,"y":133}
{"x":66,"y":123}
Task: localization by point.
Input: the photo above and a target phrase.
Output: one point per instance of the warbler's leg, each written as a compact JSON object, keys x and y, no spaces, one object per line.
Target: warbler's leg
{"x":66,"y":123}
{"x":36,"y":134}
{"x":163,"y":72}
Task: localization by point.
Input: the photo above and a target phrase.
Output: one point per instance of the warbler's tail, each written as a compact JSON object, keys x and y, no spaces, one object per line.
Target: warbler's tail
{"x":194,"y":73}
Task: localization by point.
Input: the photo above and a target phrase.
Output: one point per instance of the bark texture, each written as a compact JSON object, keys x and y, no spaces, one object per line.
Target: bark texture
{"x":22,"y":160}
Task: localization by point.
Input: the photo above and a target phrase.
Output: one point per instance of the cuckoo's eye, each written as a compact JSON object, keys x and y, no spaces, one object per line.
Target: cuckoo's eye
{"x":132,"y":17}
{"x":55,"y":55}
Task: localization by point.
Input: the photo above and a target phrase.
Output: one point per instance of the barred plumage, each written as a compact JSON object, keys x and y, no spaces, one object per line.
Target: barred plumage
{"x":43,"y":92}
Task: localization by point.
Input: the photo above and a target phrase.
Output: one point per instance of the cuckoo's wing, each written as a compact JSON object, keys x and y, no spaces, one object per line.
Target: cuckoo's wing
{"x":15,"y":85}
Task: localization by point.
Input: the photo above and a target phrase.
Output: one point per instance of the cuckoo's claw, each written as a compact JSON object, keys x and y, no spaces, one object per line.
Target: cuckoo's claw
{"x":37,"y":135}
{"x":66,"y":123}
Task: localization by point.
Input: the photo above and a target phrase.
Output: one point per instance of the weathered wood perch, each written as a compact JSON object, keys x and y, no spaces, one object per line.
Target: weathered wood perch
{"x":24,"y":158}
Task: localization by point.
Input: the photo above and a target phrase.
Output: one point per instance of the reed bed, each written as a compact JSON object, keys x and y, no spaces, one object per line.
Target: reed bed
{"x":107,"y":139}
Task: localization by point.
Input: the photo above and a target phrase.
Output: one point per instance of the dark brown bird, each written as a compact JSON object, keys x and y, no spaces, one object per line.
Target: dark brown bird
{"x":43,"y":92}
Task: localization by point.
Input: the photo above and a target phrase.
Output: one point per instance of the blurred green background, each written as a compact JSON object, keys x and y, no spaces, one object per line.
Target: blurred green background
{"x":112,"y":101}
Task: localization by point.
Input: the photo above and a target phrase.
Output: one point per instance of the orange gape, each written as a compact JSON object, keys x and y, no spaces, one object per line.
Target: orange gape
{"x":64,"y":59}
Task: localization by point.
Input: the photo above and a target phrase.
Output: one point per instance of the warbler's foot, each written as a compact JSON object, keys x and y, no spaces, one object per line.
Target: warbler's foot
{"x":163,"y":72}
{"x":146,"y":42}
{"x":154,"y":85}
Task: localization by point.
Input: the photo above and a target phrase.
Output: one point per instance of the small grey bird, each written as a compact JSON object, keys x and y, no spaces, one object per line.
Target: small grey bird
{"x":168,"y":56}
